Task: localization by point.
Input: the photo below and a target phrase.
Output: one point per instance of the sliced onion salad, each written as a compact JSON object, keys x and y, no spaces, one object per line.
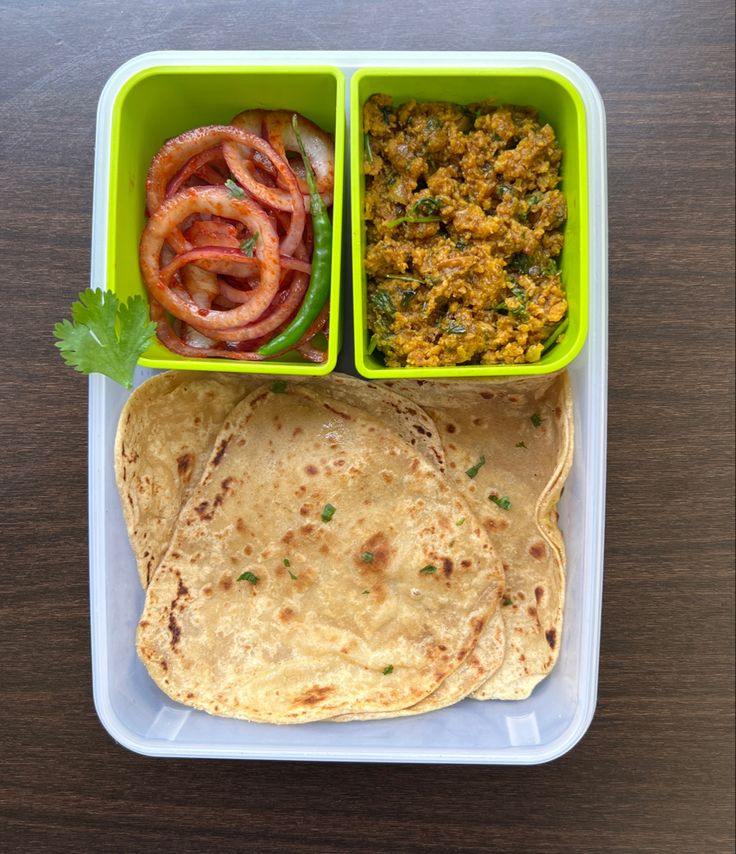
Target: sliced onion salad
{"x":226,"y":252}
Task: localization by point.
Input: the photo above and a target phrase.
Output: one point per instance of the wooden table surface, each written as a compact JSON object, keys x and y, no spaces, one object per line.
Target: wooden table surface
{"x":655,"y":771}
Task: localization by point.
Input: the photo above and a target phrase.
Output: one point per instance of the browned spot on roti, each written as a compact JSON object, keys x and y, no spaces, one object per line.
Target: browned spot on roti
{"x":225,"y":583}
{"x":297,"y":431}
{"x":538,"y":593}
{"x":288,"y":537}
{"x":379,"y":593}
{"x":185,"y":465}
{"x":340,"y":462}
{"x":248,"y":549}
{"x":551,"y":635}
{"x":520,"y":595}
{"x":286,"y":614}
{"x":201,"y":510}
{"x":240,"y":525}
{"x":377,"y":545}
{"x":487,"y":395}
{"x":466,"y":563}
{"x":477,"y":422}
{"x":493,"y":525}
{"x":226,"y":483}
{"x":306,"y":529}
{"x":423,"y":431}
{"x":144,"y":624}
{"x":537,"y":550}
{"x":447,"y":566}
{"x":558,"y":411}
{"x":315,"y":694}
{"x":174,"y":630}
{"x":218,"y":499}
{"x":323,"y":549}
{"x":310,"y":469}
{"x":387,"y":476}
{"x":164,"y":665}
{"x":532,"y":611}
{"x":451,"y":428}
{"x":304,"y":510}
{"x":207,"y":591}
{"x":337,"y":412}
{"x":222,"y":447}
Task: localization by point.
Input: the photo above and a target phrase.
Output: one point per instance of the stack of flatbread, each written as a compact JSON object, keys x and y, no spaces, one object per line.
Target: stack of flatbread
{"x":330,"y":548}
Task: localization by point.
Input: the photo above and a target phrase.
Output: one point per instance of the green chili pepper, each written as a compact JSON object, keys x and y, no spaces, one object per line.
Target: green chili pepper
{"x":319,"y":279}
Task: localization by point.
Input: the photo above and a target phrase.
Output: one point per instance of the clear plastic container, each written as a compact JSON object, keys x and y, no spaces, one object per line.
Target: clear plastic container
{"x":544,"y":726}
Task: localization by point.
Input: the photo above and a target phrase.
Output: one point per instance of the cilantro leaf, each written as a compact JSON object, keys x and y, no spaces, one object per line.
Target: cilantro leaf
{"x":387,"y":670}
{"x":503,"y":503}
{"x":236,"y":191}
{"x":248,"y":246}
{"x":248,"y":576}
{"x":92,"y":344}
{"x":428,"y":569}
{"x":473,"y":470}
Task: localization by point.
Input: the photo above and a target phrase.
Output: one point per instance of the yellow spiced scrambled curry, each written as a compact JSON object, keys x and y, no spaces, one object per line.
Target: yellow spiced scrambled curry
{"x":463,"y":226}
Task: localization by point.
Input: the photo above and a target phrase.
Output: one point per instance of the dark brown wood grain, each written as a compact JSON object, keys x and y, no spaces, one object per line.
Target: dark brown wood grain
{"x":655,"y":773}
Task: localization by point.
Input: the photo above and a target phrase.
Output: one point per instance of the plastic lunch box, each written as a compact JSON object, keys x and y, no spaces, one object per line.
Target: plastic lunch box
{"x":544,"y":726}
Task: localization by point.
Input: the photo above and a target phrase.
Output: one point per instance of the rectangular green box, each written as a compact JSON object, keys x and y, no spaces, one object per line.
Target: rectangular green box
{"x":557,"y":102}
{"x":161,"y":102}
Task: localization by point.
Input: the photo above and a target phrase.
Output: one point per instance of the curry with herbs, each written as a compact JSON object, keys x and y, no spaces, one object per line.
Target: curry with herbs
{"x":464,"y":224}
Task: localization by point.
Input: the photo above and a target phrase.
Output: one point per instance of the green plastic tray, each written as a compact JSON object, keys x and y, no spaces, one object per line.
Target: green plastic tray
{"x":160,"y":102}
{"x":557,"y":102}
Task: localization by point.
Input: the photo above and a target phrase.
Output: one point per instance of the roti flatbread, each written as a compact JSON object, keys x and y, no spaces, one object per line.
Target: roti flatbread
{"x":316,"y":570}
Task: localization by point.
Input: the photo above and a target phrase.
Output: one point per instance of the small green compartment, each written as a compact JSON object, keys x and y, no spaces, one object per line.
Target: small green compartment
{"x":559,"y":103}
{"x":161,"y":102}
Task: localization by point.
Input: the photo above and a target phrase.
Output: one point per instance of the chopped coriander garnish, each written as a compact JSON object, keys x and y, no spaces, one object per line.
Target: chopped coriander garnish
{"x":394,"y":222}
{"x":248,"y":576}
{"x":428,"y":569}
{"x":506,"y":601}
{"x":365,"y":592}
{"x":405,"y":278}
{"x":278,"y":386}
{"x":460,"y":521}
{"x":536,"y":420}
{"x":287,"y":562}
{"x":328,"y":512}
{"x":406,"y":297}
{"x":520,"y":445}
{"x":248,"y":246}
{"x":236,"y":191}
{"x":387,"y":670}
{"x":382,"y":302}
{"x":426,"y":207}
{"x":556,"y":332}
{"x":367,"y":557}
{"x":473,"y":470}
{"x":503,"y":503}
{"x":292,"y":576}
